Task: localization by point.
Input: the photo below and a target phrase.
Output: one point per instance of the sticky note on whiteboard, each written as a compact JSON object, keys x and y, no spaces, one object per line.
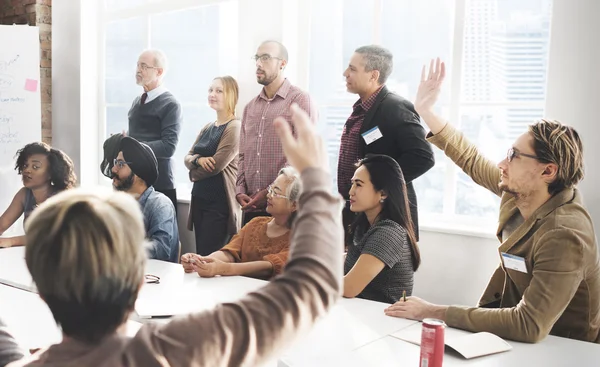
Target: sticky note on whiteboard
{"x":31,"y":85}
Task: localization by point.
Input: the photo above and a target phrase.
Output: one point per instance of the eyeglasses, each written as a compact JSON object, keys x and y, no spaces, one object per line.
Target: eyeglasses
{"x":151,"y":279}
{"x":264,"y":58}
{"x":144,"y":67}
{"x":271,"y":191}
{"x":513,"y":153}
{"x":120,"y":163}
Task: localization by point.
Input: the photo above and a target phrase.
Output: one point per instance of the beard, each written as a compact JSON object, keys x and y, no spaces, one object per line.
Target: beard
{"x":123,"y":184}
{"x":504,"y":187}
{"x":266,"y":79}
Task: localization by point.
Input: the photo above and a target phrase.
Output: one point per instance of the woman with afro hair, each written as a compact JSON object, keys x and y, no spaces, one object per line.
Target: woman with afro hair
{"x":45,"y":171}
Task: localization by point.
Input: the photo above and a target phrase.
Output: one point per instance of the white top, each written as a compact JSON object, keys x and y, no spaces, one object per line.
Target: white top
{"x":154,"y":93}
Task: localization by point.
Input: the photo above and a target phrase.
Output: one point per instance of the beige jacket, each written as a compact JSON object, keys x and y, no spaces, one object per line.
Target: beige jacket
{"x":248,"y":332}
{"x":226,"y":160}
{"x":560,"y":293}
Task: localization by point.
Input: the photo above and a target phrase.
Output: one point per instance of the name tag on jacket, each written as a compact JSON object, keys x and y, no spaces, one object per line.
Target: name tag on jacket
{"x":514,"y":262}
{"x":372,"y":135}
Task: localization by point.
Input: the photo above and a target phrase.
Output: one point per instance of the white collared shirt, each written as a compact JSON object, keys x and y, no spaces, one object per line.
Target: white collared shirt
{"x":154,"y":93}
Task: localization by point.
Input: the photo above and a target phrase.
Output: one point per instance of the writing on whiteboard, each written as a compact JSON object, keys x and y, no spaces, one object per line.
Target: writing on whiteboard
{"x":6,"y":64}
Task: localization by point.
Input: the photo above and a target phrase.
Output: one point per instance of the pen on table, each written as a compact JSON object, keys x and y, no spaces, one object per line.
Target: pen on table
{"x":404,"y":295}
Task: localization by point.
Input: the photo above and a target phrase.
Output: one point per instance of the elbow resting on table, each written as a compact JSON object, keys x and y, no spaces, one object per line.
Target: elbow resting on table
{"x":531,"y":335}
{"x":350,"y":291}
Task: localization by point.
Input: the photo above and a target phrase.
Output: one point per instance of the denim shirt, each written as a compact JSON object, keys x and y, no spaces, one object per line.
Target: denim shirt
{"x":161,"y":225}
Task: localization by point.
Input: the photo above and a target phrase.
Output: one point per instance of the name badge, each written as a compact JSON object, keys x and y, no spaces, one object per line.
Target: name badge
{"x":372,"y":135}
{"x":514,"y":262}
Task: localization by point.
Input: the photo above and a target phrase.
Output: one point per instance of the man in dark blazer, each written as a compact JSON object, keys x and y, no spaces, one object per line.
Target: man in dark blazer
{"x":381,"y":123}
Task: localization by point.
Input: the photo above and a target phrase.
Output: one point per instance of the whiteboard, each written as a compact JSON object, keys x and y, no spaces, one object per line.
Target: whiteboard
{"x":20,"y":106}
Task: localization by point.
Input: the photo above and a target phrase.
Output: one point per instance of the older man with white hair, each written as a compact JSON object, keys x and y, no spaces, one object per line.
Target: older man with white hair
{"x":155,"y":118}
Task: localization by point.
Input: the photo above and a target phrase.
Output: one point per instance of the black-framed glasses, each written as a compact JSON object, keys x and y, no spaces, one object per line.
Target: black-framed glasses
{"x":151,"y":279}
{"x":513,"y":153}
{"x":264,"y":58}
{"x":120,"y":163}
{"x":271,"y":191}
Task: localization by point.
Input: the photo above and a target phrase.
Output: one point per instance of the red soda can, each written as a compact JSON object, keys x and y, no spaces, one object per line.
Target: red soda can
{"x":432,"y":343}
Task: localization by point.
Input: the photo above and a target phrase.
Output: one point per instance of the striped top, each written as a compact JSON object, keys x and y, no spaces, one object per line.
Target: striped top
{"x":387,"y":241}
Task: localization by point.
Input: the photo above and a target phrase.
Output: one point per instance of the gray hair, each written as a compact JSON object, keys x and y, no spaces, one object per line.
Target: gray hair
{"x":377,"y":58}
{"x":160,"y":59}
{"x":283,"y":52}
{"x":294,"y":189}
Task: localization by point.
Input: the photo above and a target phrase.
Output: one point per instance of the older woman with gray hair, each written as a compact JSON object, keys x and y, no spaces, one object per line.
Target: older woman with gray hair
{"x":261,"y":248}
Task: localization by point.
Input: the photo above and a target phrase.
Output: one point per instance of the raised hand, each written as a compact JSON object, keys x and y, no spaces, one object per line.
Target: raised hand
{"x":430,"y":86}
{"x":307,"y":150}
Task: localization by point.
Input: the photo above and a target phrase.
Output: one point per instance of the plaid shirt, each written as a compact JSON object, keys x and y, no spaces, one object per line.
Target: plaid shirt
{"x":349,"y":147}
{"x":261,"y":154}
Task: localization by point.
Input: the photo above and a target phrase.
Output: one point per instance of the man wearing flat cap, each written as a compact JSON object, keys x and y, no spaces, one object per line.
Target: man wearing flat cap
{"x":134,"y":171}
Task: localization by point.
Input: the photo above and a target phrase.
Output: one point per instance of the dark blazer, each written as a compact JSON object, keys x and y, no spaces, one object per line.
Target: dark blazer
{"x":403,"y":139}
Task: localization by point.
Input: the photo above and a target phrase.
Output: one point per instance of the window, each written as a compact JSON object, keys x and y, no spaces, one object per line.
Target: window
{"x":403,"y":26}
{"x":498,"y":90}
{"x":200,"y":43}
{"x":495,"y":86}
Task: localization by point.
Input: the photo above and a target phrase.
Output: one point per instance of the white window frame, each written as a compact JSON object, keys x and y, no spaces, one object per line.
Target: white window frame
{"x":297,"y":13}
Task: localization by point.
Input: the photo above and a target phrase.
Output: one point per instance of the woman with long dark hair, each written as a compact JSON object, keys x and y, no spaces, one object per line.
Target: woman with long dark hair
{"x":45,"y":171}
{"x":383,"y":255}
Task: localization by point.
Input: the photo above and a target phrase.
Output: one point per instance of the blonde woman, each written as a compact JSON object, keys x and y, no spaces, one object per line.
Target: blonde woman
{"x":214,"y":213}
{"x":91,"y":288}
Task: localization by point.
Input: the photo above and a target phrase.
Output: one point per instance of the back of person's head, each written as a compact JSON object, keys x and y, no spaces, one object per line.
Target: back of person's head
{"x":85,"y":251}
{"x":231,"y":90}
{"x":377,"y":58}
{"x":61,"y":172}
{"x":386,"y":176}
{"x":556,"y":143}
{"x":293,"y":191}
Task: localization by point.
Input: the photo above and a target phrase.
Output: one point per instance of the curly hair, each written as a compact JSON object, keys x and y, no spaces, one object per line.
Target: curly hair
{"x":62,"y":174}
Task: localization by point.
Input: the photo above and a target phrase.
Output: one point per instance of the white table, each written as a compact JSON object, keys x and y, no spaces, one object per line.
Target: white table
{"x":179,"y":293}
{"x":389,"y":351}
{"x":13,"y":269}
{"x":352,"y":323}
{"x":354,"y":333}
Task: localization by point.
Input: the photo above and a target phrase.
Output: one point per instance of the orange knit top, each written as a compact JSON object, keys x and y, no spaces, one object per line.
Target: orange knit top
{"x":251,"y":243}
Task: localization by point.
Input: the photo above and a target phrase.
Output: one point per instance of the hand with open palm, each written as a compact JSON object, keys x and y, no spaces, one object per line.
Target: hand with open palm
{"x":429,"y":92}
{"x":430,"y":86}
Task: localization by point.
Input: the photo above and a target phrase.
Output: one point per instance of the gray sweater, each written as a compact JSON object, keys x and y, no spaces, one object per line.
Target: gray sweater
{"x":158,"y":123}
{"x":9,"y":349}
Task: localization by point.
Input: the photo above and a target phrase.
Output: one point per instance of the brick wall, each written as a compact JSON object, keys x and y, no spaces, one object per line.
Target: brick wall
{"x":36,"y":13}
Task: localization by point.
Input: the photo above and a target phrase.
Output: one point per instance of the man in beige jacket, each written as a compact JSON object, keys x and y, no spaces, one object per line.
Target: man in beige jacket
{"x":548,"y":281}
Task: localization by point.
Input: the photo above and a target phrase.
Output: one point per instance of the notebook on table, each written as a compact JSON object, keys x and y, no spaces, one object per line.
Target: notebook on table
{"x":467,"y":344}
